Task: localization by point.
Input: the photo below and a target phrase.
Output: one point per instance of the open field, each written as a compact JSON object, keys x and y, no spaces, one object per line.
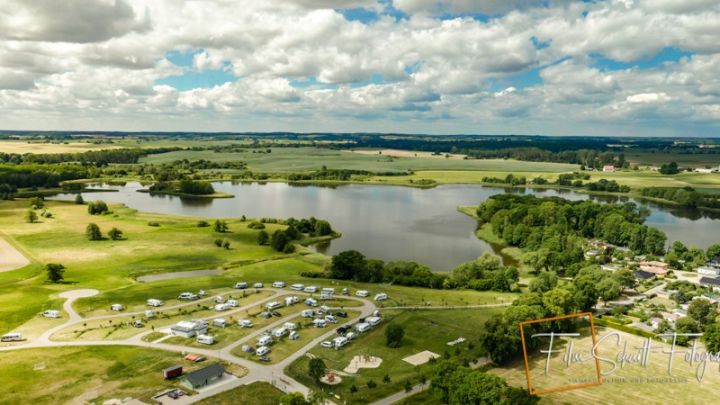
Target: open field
{"x":58,"y":375}
{"x":682,"y":159}
{"x":307,"y":159}
{"x":36,"y":147}
{"x":10,"y":257}
{"x":257,"y":393}
{"x":632,"y":384}
{"x":424,"y":330}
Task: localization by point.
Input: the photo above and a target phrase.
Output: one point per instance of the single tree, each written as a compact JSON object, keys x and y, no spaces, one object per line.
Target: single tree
{"x":394,"y":334}
{"x":371,"y":384}
{"x":263,"y":238}
{"x":711,"y":337}
{"x":92,"y":231}
{"x":220,"y":226}
{"x":218,"y":242}
{"x":55,"y":272}
{"x":226,"y":244}
{"x":37,"y":203}
{"x":702,"y":311}
{"x":30,"y":216}
{"x":115,"y":234}
{"x":316,"y":368}
{"x":625,"y":277}
{"x":79,"y":200}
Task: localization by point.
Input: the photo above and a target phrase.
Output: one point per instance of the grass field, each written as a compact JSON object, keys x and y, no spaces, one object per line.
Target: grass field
{"x":682,"y":159}
{"x":21,"y":147}
{"x":59,"y":375}
{"x":424,"y":330}
{"x":306,"y":159}
{"x":632,"y":384}
{"x":257,"y":393}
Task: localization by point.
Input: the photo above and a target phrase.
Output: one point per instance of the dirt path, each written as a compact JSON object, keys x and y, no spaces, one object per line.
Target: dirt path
{"x":11,"y":258}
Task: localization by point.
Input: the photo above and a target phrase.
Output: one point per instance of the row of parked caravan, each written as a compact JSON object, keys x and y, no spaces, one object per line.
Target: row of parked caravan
{"x":325,"y":292}
{"x":270,"y":337}
{"x":350,"y":332}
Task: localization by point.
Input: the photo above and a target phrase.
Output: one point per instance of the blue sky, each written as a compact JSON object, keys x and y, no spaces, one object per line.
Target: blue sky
{"x":551,"y":67}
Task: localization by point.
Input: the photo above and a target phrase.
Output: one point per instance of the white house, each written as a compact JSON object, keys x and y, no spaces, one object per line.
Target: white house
{"x":291,"y":300}
{"x":245,"y":323}
{"x":319,"y":323}
{"x":188,"y":329}
{"x":381,"y":297}
{"x":51,"y":313}
{"x":117,"y":307}
{"x":205,"y":339}
{"x":708,"y":271}
{"x":373,"y":320}
{"x":152,"y":302}
{"x":363,"y":327}
{"x":362,"y":293}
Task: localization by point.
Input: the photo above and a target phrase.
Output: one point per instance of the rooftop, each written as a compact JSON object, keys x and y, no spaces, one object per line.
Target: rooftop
{"x":199,"y":377}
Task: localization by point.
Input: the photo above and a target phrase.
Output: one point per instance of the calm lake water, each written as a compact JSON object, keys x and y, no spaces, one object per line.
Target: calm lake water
{"x":388,"y":222}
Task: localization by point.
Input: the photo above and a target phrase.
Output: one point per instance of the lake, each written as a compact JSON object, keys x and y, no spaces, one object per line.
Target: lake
{"x":388,"y":222}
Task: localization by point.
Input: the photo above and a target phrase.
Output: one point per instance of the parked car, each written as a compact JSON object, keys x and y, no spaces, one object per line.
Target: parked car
{"x":341,"y":314}
{"x":294,"y":335}
{"x":331,"y":319}
{"x":137,"y":323}
{"x":327,"y":344}
{"x":187,"y":296}
{"x":51,"y":313}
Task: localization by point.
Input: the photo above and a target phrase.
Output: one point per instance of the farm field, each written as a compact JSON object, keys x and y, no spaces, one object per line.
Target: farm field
{"x":307,"y":159}
{"x":424,"y":330}
{"x":630,"y":384}
{"x":682,"y":159}
{"x":61,"y":375}
{"x":37,"y":147}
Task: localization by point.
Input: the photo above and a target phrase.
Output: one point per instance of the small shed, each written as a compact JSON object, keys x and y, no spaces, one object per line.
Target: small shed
{"x":204,"y":376}
{"x":172,"y":372}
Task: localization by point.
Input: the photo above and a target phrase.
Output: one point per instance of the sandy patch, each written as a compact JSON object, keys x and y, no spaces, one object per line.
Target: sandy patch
{"x":365,"y":361}
{"x":421,"y":358}
{"x":70,"y":255}
{"x":335,"y":379}
{"x":11,"y":258}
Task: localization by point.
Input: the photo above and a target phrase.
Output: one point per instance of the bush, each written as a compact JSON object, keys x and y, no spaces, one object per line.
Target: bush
{"x":153,"y":223}
{"x":97,"y":208}
{"x":394,"y":334}
{"x":202,"y":224}
{"x":256,"y":225}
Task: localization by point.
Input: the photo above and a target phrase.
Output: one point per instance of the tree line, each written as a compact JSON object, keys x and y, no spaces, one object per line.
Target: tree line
{"x":554,"y":230}
{"x":686,"y":196}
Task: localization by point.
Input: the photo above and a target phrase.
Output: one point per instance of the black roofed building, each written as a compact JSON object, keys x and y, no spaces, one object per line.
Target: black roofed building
{"x":710,"y":282}
{"x":204,"y":376}
{"x":644,"y":275}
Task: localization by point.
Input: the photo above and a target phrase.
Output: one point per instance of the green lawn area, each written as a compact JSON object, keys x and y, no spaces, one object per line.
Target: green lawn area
{"x":424,"y":330}
{"x":257,"y":393}
{"x":58,"y":375}
{"x":307,"y":159}
{"x":620,"y":386}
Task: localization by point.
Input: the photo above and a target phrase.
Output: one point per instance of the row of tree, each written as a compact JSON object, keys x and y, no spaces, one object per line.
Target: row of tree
{"x":686,"y":196}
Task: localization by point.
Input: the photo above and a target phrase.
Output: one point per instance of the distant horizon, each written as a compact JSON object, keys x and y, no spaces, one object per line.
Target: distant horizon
{"x":360,"y":133}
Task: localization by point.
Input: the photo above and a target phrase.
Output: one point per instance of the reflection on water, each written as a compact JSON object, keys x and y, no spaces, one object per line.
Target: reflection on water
{"x":389,"y":222}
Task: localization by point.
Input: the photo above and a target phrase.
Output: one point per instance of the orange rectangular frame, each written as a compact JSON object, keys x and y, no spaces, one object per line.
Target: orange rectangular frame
{"x":567,"y":387}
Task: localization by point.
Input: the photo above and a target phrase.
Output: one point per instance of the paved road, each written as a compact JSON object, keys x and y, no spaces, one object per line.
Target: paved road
{"x":256,"y":372}
{"x":402,"y":395}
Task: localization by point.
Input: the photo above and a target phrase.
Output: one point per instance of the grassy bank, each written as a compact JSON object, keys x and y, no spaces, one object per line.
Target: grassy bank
{"x":257,"y":393}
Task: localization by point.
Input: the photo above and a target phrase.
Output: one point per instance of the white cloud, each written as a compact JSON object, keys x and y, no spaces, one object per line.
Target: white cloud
{"x":88,"y":61}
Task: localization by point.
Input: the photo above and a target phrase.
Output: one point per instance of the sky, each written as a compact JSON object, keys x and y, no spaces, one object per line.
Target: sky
{"x":552,"y":67}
